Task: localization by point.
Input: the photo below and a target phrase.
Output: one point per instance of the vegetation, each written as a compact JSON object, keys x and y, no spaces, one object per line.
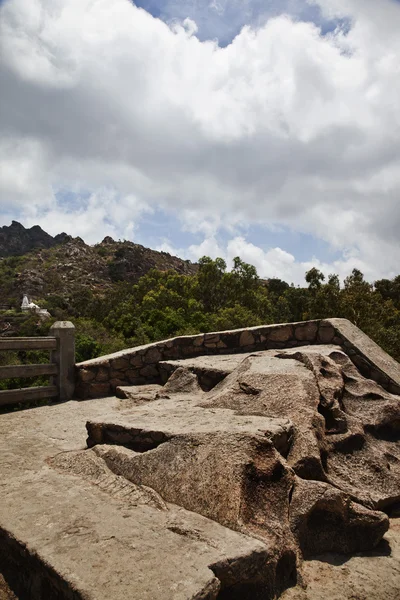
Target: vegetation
{"x":163,"y":304}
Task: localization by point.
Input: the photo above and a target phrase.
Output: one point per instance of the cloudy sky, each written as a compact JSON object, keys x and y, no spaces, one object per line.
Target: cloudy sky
{"x":268,"y":129}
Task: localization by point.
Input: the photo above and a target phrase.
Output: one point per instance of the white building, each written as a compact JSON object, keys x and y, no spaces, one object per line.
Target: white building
{"x":32,"y":307}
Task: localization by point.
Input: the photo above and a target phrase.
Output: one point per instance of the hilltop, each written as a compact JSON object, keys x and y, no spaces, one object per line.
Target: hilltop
{"x":16,"y":240}
{"x":35,"y":263}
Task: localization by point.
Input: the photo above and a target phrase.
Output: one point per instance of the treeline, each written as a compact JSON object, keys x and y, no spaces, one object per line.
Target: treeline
{"x":165,"y":304}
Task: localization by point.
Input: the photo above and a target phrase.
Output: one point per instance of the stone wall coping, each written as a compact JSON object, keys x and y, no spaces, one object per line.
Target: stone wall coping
{"x":371,"y":351}
{"x":100,"y":376}
{"x":129,"y":351}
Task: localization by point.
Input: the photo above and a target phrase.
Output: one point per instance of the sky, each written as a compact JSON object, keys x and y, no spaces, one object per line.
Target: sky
{"x":264,"y":129}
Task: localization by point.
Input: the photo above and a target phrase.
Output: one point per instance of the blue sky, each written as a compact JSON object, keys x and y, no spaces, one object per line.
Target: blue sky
{"x":223,"y":19}
{"x":260,"y":128}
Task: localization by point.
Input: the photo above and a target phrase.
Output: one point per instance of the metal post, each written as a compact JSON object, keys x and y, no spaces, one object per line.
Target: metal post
{"x":64,"y":358}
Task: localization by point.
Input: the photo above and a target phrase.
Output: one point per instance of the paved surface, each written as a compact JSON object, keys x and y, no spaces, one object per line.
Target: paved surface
{"x":102,"y":546}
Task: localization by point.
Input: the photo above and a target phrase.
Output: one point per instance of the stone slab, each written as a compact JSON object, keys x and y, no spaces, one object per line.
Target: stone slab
{"x":94,"y":542}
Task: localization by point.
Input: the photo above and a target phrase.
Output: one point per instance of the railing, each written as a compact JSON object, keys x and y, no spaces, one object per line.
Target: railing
{"x":61,"y":367}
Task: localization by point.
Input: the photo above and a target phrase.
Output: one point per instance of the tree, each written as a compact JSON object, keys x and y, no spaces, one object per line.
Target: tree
{"x":314,"y":278}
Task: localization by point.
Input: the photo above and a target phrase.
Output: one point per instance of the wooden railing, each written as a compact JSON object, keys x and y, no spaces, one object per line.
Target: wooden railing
{"x":60,"y":368}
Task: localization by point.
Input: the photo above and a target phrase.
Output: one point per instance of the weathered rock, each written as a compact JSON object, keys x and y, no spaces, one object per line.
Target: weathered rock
{"x":326,"y":333}
{"x":153,"y":355}
{"x":306,"y":332}
{"x":293,"y":451}
{"x":119,"y":364}
{"x":136,"y":360}
{"x":182,"y":381}
{"x":138,"y":394}
{"x":246,"y":339}
{"x":281,"y":334}
{"x":86,"y":375}
{"x":323,"y":519}
{"x":102,"y":375}
{"x":278,"y":422}
{"x":149,"y":371}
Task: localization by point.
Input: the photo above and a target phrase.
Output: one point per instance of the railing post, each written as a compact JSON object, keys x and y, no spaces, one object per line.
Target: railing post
{"x":64,"y":358}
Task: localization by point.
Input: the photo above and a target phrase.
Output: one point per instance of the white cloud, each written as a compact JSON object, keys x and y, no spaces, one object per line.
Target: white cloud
{"x":271,"y":263}
{"x":284,"y":127}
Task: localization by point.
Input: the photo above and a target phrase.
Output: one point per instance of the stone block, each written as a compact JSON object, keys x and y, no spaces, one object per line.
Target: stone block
{"x":198,"y":340}
{"x":338,"y":341}
{"x":271,"y":345}
{"x":281,"y":334}
{"x":211,"y":339}
{"x":85,"y":375}
{"x":306,"y":332}
{"x":189,"y":351}
{"x":113,"y":374}
{"x":153,"y":355}
{"x":326,"y":333}
{"x":172,"y":353}
{"x":102,"y":375}
{"x":231,"y":340}
{"x":149,"y":371}
{"x":120,"y":364}
{"x":246,"y":339}
{"x":136,"y":360}
{"x":132,"y":374}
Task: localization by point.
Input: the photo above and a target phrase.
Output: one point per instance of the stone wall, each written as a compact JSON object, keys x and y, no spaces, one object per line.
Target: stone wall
{"x":100,"y":376}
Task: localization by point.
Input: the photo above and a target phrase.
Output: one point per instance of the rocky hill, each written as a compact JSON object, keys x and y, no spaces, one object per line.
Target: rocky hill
{"x":35,"y":263}
{"x":16,"y":240}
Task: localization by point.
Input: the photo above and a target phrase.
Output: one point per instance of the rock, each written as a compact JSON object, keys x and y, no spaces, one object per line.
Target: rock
{"x":85,"y":375}
{"x":246,"y":339}
{"x":323,"y":519}
{"x":153,"y":355}
{"x":136,"y":360}
{"x":281,"y":334}
{"x":306,"y":333}
{"x":290,"y":455}
{"x":182,"y":380}
{"x":120,"y":364}
{"x":326,"y":334}
{"x":102,"y":375}
{"x":16,"y":240}
{"x":149,"y":371}
{"x":211,"y":340}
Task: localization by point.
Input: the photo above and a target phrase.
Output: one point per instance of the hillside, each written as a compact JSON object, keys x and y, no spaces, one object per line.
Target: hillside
{"x":120,"y":295}
{"x":35,"y":263}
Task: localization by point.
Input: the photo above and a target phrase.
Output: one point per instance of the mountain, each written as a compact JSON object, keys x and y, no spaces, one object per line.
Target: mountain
{"x":16,"y":240}
{"x":35,"y":263}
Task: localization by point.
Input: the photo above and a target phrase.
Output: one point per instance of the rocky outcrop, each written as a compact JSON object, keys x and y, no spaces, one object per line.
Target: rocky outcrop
{"x":68,"y":267}
{"x":188,"y":492}
{"x":131,"y":261}
{"x":294,"y":448}
{"x":15,"y":240}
